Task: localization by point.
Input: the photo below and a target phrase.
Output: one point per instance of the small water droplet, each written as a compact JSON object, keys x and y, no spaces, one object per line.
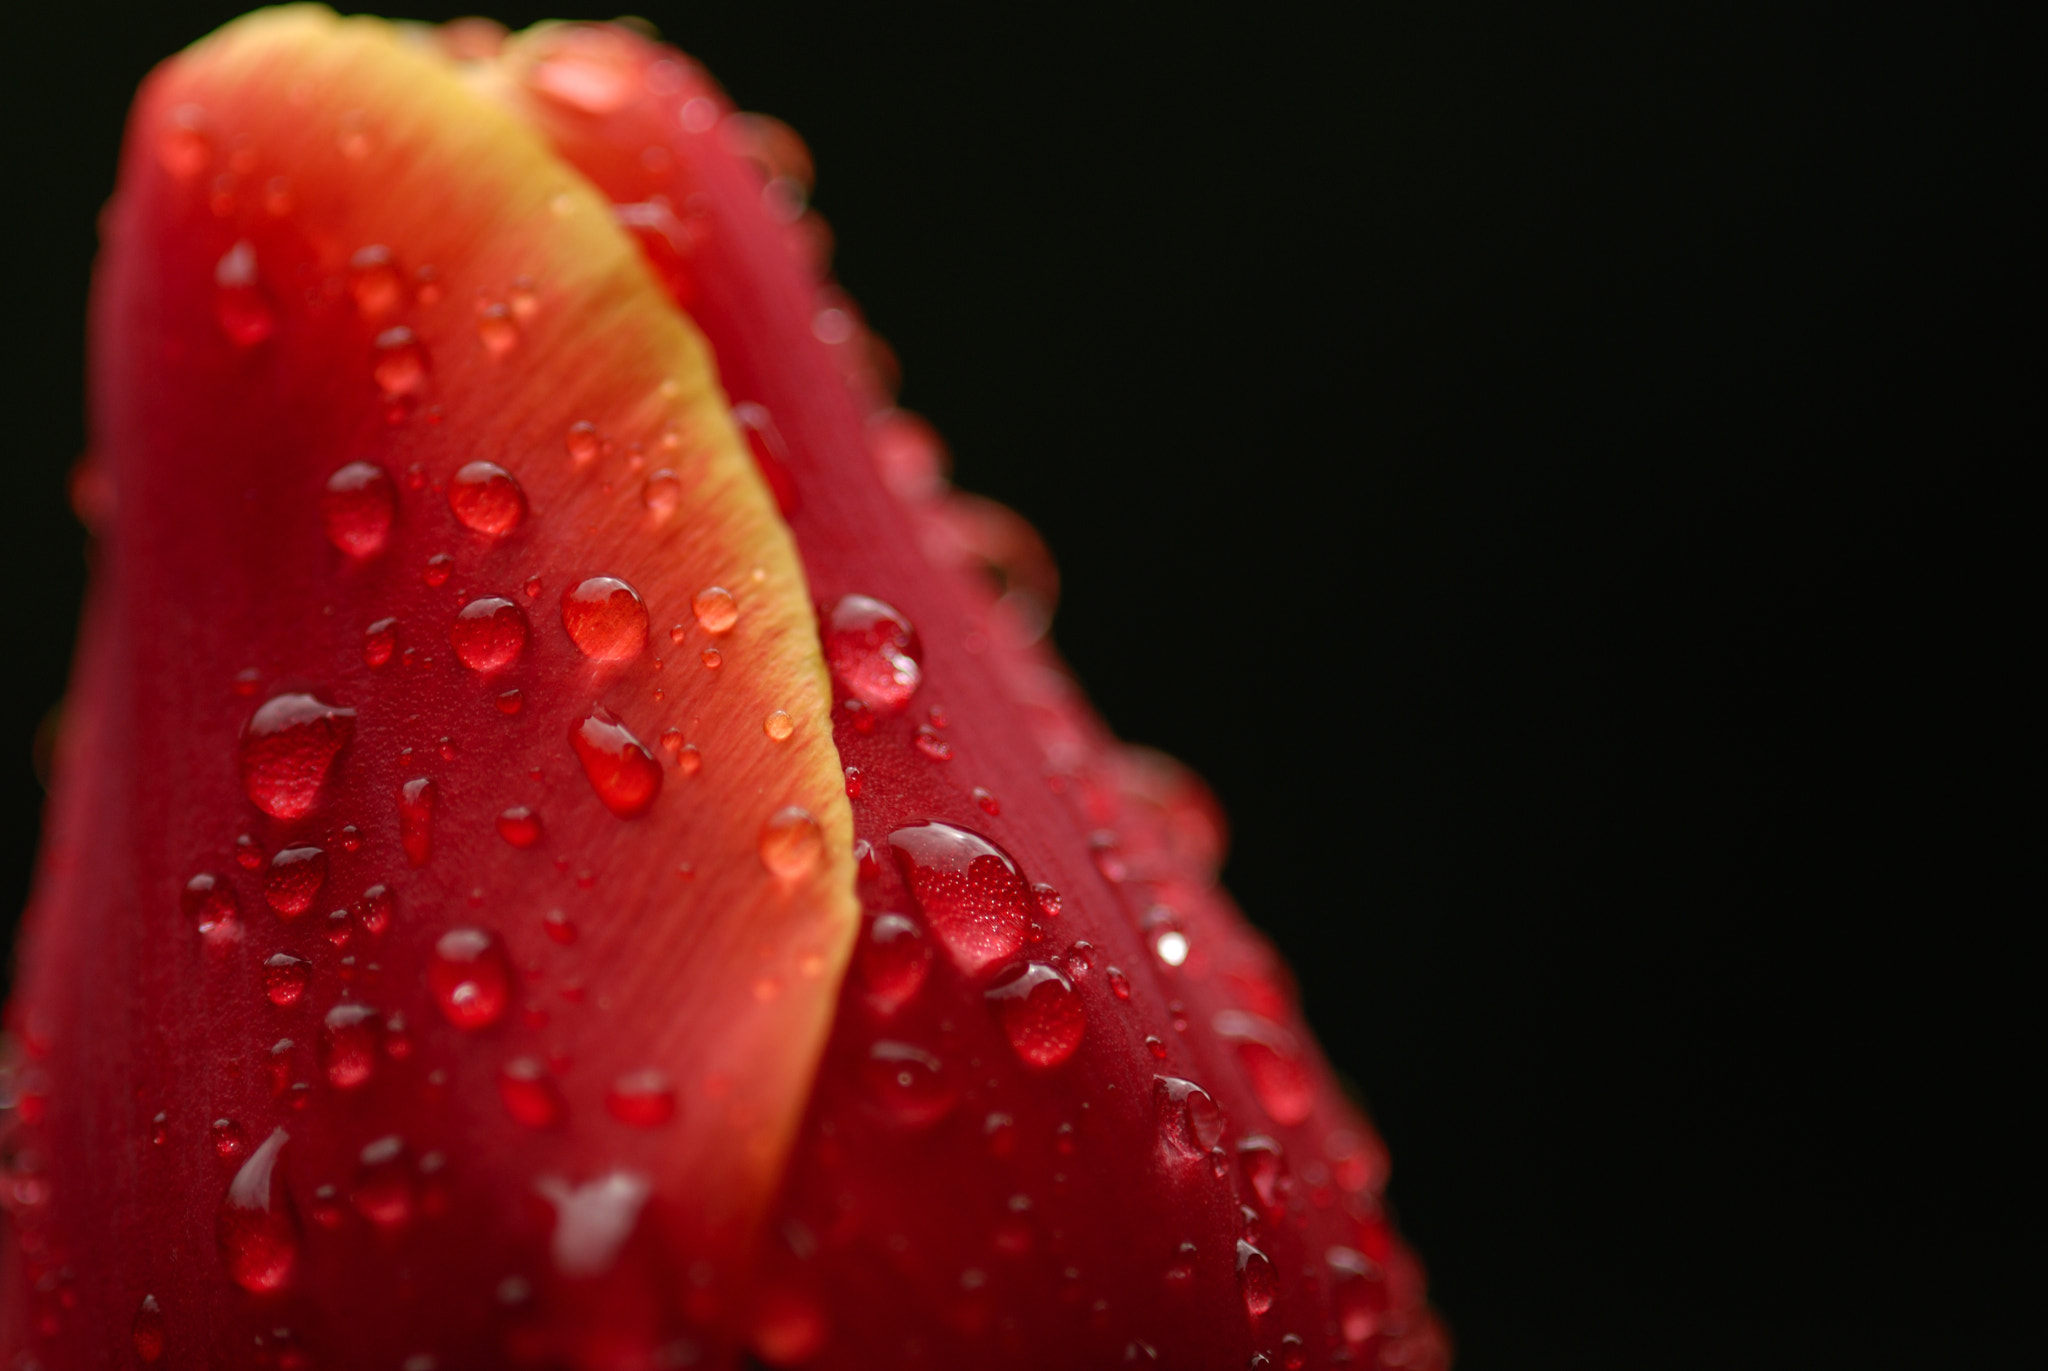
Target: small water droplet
{"x":296,"y":875}
{"x":1041,"y":1014}
{"x":853,"y":785}
{"x":183,"y":145}
{"x":519,"y":826}
{"x":489,"y":634}
{"x":284,"y":978}
{"x":605,"y":619}
{"x":147,"y":1331}
{"x":529,"y":1093}
{"x":716,"y":610}
{"x":1048,"y":899}
{"x":373,"y":911}
{"x":582,"y":441}
{"x":228,"y":1142}
{"x":1255,"y":1279}
{"x":663,"y":493}
{"x":778,"y":726}
{"x":1265,"y":1171}
{"x":435,"y":574}
{"x":1189,"y":1121}
{"x":249,"y":854}
{"x":487,"y":499}
{"x":873,"y":653}
{"x":1156,"y":1047}
{"x":1358,"y":1294}
{"x":375,"y":283}
{"x":356,"y":508}
{"x":989,"y":805}
{"x":470,"y":977}
{"x":643,"y":1099}
{"x":791,"y":844}
{"x":416,"y":800}
{"x":238,"y":303}
{"x":288,"y":750}
{"x":672,"y":741}
{"x":383,"y":1191}
{"x":928,"y":741}
{"x":618,"y":765}
{"x":510,"y":702}
{"x":689,"y":760}
{"x":349,"y":1040}
{"x":399,"y":365}
{"x":496,"y":330}
{"x":1119,"y":984}
{"x":892,"y":961}
{"x":1272,"y":1058}
{"x":255,"y":1228}
{"x":908,"y":1085}
{"x":968,"y":889}
{"x":209,"y":904}
{"x":712,"y":658}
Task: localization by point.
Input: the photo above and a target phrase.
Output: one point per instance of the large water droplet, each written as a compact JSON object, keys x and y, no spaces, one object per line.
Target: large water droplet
{"x":1189,"y":1121}
{"x":289,"y":749}
{"x":643,"y":1099}
{"x":970,"y":892}
{"x":357,"y":507}
{"x":892,"y":962}
{"x":1041,"y":1014}
{"x":470,"y":977}
{"x":791,"y":844}
{"x":209,"y":904}
{"x":907,"y":1084}
{"x":238,"y":303}
{"x":256,"y":1230}
{"x":716,"y":610}
{"x":529,"y":1093}
{"x":349,"y":1039}
{"x":416,"y":801}
{"x":487,"y":499}
{"x":1255,"y":1279}
{"x":489,"y":633}
{"x":605,"y":619}
{"x":620,"y":768}
{"x":1272,"y":1058}
{"x":384,"y":1191}
{"x":284,"y":979}
{"x":147,"y":1331}
{"x":873,"y":652}
{"x":296,"y":875}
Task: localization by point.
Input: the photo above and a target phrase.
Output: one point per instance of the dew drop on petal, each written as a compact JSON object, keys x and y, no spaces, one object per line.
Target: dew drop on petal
{"x":618,"y":765}
{"x":489,"y":633}
{"x":374,"y":283}
{"x":716,"y":610}
{"x":350,"y":1037}
{"x":294,"y":881}
{"x":238,"y":303}
{"x":416,"y":802}
{"x":791,"y":844}
{"x":1041,"y":1015}
{"x":399,"y":364}
{"x":663,"y":493}
{"x":642,"y":1099}
{"x":778,"y":726}
{"x":471,"y":978}
{"x":384,"y":1191}
{"x":288,"y":750}
{"x":582,"y":441}
{"x":1189,"y":1121}
{"x":1255,"y":1279}
{"x":255,"y":1228}
{"x":892,"y":961}
{"x":380,"y":640}
{"x":496,"y":330}
{"x":605,"y":619}
{"x":907,"y":1084}
{"x":146,"y":1331}
{"x":873,"y":653}
{"x":519,"y":826}
{"x":970,"y":892}
{"x":1265,"y":1172}
{"x":356,"y":508}
{"x":209,"y":904}
{"x":1272,"y":1057}
{"x":284,"y":979}
{"x":487,"y":499}
{"x":529,"y":1093}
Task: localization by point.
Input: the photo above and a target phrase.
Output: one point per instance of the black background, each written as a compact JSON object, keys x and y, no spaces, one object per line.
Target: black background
{"x":1559,"y":477}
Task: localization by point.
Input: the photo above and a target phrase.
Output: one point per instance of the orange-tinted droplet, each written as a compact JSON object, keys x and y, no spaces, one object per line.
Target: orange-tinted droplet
{"x":791,"y":844}
{"x":375,"y":283}
{"x":618,"y":765}
{"x":778,"y":726}
{"x":605,"y":619}
{"x":496,"y":330}
{"x":487,"y":499}
{"x":398,"y":364}
{"x":716,"y":610}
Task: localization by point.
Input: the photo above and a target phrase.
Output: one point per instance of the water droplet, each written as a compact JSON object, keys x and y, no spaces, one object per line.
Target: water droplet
{"x":969,"y":890}
{"x":249,"y":853}
{"x":663,"y":493}
{"x":529,"y":1093}
{"x":1155,"y":1047}
{"x":582,"y":441}
{"x":873,"y":653}
{"x":1119,"y":984}
{"x":470,"y":977}
{"x":909,"y":1085}
{"x":712,"y":658}
{"x":296,"y":875}
{"x":853,"y":785}
{"x":689,"y":760}
{"x":1255,"y":1279}
{"x":183,"y":145}
{"x":1189,"y":1121}
{"x":559,"y":927}
{"x":255,"y":1229}
{"x":778,"y":726}
{"x":519,"y":826}
{"x":1172,"y":946}
{"x":416,"y":800}
{"x":435,"y":574}
{"x":619,"y":767}
{"x":486,"y":498}
{"x":791,"y":844}
{"x":1358,"y":1294}
{"x":892,"y":961}
{"x":284,"y":979}
{"x":672,"y":741}
{"x":375,"y":283}
{"x":147,"y":1331}
{"x":349,"y":1039}
{"x":496,"y":330}
{"x":209,"y":904}
{"x":928,"y":741}
{"x":374,"y":910}
{"x":716,"y":610}
{"x":1265,"y":1171}
{"x":1041,"y":1014}
{"x":489,"y":634}
{"x":356,"y":508}
{"x":1048,"y":899}
{"x":605,"y":619}
{"x":1080,"y":959}
{"x":1272,"y":1058}
{"x":383,"y":1191}
{"x":289,"y":749}
{"x":228,"y":1142}
{"x":644,"y":1099}
{"x":238,"y":303}
{"x":399,"y":364}
{"x":990,"y":806}
{"x":510,"y":702}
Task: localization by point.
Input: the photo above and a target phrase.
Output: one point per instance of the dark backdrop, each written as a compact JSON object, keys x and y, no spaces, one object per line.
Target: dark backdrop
{"x":1559,"y":478}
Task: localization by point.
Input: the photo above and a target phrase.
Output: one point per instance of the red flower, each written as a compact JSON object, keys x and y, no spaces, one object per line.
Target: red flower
{"x":571,"y":848}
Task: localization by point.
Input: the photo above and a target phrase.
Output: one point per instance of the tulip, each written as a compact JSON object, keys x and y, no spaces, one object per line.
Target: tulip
{"x":570,"y":847}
